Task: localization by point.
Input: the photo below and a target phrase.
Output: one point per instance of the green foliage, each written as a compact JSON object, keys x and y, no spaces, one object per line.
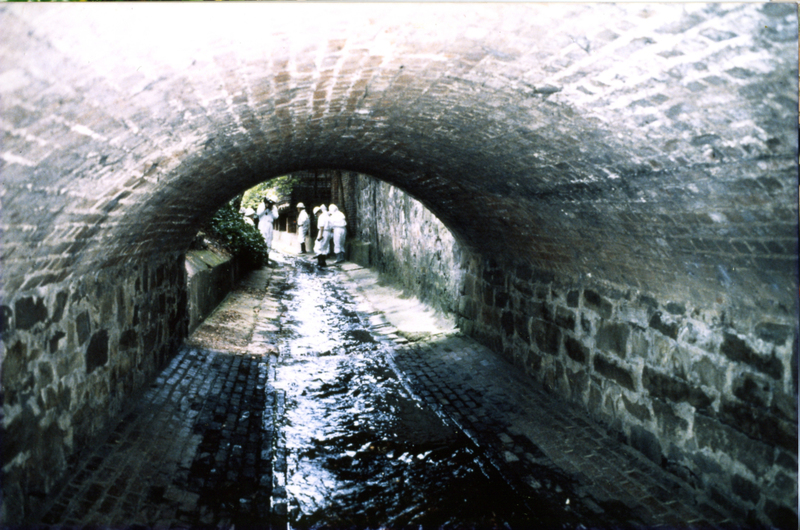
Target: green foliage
{"x":283,"y":185}
{"x":241,"y":239}
{"x":252,"y":197}
{"x":276,"y":189}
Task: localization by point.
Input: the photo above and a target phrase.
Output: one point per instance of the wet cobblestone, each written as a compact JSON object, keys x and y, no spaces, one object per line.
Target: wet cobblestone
{"x":196,"y":450}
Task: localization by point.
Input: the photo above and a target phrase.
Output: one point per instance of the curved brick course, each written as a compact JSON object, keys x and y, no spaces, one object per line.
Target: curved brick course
{"x":602,"y":163}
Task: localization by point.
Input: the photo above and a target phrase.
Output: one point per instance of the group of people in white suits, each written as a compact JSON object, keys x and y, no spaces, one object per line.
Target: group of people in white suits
{"x":331,"y":227}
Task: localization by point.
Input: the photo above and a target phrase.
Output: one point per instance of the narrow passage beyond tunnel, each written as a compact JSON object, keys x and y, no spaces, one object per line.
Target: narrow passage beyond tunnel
{"x":298,"y":401}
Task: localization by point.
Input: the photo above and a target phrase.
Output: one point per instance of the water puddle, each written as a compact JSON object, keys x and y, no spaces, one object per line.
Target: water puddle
{"x":362,"y":451}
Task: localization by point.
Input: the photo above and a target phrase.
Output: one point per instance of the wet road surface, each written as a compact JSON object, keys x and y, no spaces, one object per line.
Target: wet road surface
{"x":305,"y":401}
{"x":362,"y":450}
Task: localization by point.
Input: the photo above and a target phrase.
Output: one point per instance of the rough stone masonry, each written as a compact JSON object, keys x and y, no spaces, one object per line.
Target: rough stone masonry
{"x":621,"y":179}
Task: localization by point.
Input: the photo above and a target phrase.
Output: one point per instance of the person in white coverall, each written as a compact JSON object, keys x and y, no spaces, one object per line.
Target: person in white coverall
{"x":338,"y":223}
{"x":322,"y":246}
{"x":248,"y":214}
{"x":303,"y":225}
{"x":266,"y":213}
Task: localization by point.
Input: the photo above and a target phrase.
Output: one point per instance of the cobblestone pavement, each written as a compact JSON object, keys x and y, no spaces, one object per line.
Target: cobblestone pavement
{"x":199,"y":448}
{"x":196,"y":450}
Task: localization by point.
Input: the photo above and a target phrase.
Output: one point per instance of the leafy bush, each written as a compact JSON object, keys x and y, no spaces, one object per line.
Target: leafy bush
{"x":243,"y":240}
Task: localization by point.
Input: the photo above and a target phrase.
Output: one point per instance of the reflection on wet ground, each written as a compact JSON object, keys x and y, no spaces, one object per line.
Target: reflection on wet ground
{"x":362,"y":451}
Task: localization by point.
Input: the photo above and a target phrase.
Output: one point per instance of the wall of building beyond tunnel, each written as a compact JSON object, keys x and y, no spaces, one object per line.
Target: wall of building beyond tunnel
{"x":407,"y":243}
{"x":76,"y":353}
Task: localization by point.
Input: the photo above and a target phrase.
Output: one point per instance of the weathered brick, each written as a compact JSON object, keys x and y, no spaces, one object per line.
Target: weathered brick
{"x":501,"y":299}
{"x":521,"y":327}
{"x":673,"y":389}
{"x":29,"y":311}
{"x":648,"y":301}
{"x":524,"y":272}
{"x":646,"y":442}
{"x":751,"y":390}
{"x":638,"y":410}
{"x":55,"y":340}
{"x":716,"y":436}
{"x":575,"y":350}
{"x":6,"y":317}
{"x":83,"y":327}
{"x":129,"y":339}
{"x":18,"y":436}
{"x":597,"y":303}
{"x":16,"y":378}
{"x":540,"y":310}
{"x":780,"y":516}
{"x":675,"y":308}
{"x":97,"y":351}
{"x":565,"y":319}
{"x":669,"y":329}
{"x":774,"y":333}
{"x":494,"y":277}
{"x":507,"y":321}
{"x":578,"y":383}
{"x":759,"y":424}
{"x":670,"y":424}
{"x":573,"y":298}
{"x":546,"y":336}
{"x":746,"y":489}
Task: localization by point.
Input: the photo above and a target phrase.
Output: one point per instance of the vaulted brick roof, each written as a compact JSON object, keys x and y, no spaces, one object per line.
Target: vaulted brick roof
{"x":653,"y":146}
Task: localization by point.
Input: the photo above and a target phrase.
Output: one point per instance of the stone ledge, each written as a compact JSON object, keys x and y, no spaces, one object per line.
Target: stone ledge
{"x":359,"y":252}
{"x":211,"y":276}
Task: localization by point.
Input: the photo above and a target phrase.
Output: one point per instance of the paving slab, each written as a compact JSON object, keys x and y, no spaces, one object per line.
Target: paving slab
{"x":410,"y":317}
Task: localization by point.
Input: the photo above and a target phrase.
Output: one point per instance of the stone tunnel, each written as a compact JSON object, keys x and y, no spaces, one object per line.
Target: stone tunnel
{"x":622,"y":179}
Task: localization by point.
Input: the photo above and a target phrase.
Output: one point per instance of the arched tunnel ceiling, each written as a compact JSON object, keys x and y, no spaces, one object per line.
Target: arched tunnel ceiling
{"x":650,"y":145}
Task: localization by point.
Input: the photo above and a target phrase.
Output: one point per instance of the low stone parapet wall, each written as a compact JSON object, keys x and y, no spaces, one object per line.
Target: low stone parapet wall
{"x":210,"y":277}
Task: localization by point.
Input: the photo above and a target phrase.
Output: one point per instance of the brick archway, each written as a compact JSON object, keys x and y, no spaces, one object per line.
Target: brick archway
{"x":648,"y":147}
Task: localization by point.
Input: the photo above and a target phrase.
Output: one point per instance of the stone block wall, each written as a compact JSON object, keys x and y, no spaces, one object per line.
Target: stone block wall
{"x":407,"y":243}
{"x":210,"y":277}
{"x":73,"y":354}
{"x":710,"y":398}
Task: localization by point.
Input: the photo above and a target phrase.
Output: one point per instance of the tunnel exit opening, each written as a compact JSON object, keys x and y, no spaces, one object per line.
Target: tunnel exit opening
{"x":387,"y":230}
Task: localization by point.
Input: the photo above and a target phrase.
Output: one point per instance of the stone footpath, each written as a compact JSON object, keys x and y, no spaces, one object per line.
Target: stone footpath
{"x":536,"y":440}
{"x":199,"y":449}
